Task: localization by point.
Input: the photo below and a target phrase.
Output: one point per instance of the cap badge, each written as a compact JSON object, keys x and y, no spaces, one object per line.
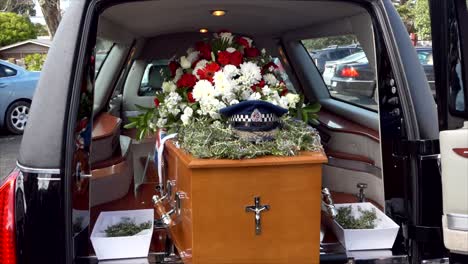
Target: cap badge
{"x":256,"y":116}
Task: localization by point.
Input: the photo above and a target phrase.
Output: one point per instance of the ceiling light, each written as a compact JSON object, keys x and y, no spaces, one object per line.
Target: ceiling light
{"x":218,"y":13}
{"x":203,"y":30}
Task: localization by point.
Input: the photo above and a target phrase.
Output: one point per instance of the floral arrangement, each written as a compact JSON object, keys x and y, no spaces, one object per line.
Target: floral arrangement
{"x":215,"y":74}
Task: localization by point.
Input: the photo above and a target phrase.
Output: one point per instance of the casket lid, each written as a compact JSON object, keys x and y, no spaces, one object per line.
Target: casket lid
{"x":305,"y":157}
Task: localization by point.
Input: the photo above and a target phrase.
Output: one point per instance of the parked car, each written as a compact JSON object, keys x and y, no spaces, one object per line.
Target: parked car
{"x":17,"y":86}
{"x":332,"y":53}
{"x":355,"y":76}
{"x":77,"y":160}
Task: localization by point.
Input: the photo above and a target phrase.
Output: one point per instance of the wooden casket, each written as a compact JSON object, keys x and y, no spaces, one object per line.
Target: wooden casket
{"x":214,"y":226}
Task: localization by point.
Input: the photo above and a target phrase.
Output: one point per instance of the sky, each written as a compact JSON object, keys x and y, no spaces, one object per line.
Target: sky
{"x":39,"y":18}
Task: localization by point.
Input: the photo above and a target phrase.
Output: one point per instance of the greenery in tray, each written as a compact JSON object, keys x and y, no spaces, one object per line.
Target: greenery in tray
{"x":205,"y":140}
{"x":367,"y":220}
{"x":126,"y":227}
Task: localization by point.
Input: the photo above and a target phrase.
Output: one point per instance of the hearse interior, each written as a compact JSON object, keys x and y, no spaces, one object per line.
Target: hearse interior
{"x":130,"y":42}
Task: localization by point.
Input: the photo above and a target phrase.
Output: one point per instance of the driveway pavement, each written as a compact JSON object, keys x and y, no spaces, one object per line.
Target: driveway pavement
{"x":9,"y":149}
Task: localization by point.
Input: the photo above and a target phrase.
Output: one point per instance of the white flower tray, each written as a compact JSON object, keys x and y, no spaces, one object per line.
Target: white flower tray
{"x":381,"y":237}
{"x":136,"y":246}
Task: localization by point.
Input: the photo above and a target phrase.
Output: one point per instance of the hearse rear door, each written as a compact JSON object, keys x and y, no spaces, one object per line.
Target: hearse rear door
{"x":449,"y":20}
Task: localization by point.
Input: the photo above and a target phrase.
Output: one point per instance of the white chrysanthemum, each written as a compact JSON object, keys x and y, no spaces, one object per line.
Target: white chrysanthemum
{"x":200,"y":65}
{"x":255,"y":96}
{"x":283,"y":102}
{"x":193,"y":56}
{"x":250,"y":73}
{"x":233,"y":102}
{"x":293,"y":99}
{"x":230,"y":71}
{"x":263,"y":51}
{"x":184,"y":63}
{"x":270,"y":79}
{"x":226,"y":36}
{"x":168,"y":87}
{"x":202,"y":90}
{"x":188,"y":112}
{"x":178,"y":74}
{"x":222,"y":83}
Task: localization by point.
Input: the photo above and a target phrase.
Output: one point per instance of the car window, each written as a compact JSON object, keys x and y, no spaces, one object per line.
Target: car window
{"x":153,"y":78}
{"x":6,"y":71}
{"x":103,"y":47}
{"x":425,"y":57}
{"x":348,"y":75}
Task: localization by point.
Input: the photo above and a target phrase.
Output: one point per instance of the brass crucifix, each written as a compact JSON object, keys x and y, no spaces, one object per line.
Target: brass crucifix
{"x":257,"y":209}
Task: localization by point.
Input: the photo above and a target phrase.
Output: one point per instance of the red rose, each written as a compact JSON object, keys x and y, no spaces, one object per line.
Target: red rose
{"x":243,"y":42}
{"x":173,"y":66}
{"x":156,"y":102}
{"x":268,"y":66}
{"x":208,"y":72}
{"x":284,"y":91}
{"x":190,"y":97}
{"x":258,"y":87}
{"x":204,"y":49}
{"x":251,"y":52}
{"x":224,"y":58}
{"x":187,"y":81}
{"x":236,"y":58}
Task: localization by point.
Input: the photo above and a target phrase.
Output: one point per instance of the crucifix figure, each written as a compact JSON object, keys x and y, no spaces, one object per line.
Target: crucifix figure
{"x":257,"y":209}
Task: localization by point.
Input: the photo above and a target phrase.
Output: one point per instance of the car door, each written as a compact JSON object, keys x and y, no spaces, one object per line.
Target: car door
{"x":450,"y":47}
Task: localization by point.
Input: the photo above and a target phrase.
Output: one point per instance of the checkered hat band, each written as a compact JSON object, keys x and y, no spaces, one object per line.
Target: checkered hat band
{"x":247,"y":118}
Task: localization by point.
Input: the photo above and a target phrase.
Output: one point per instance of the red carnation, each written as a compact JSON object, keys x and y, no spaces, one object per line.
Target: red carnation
{"x":208,"y":72}
{"x":258,"y":87}
{"x":236,"y":58}
{"x":251,"y":52}
{"x":173,"y":66}
{"x":156,"y":102}
{"x":284,"y":91}
{"x":187,"y":81}
{"x":204,"y":49}
{"x":243,"y":42}
{"x":190,"y":97}
{"x":269,"y":65}
{"x":224,"y":58}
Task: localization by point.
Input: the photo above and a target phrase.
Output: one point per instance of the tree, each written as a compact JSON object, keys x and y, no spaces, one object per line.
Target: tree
{"x":41,"y":30}
{"x":34,"y":62}
{"x":407,"y":14}
{"x":21,"y":7}
{"x":15,"y":28}
{"x":321,"y":43}
{"x":52,"y":14}
{"x":422,"y":19}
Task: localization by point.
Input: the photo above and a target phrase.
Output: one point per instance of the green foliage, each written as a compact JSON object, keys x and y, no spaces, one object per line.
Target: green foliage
{"x":346,"y":219}
{"x":126,"y":227}
{"x":422,"y":19}
{"x":321,"y":43}
{"x":41,"y":30}
{"x":218,"y":140}
{"x":34,"y":62}
{"x":407,"y":14}
{"x":15,"y":28}
{"x":143,"y":123}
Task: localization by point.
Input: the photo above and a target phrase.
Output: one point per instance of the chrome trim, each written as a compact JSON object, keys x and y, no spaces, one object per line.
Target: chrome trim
{"x":37,"y":170}
{"x":355,"y":165}
{"x":457,"y":222}
{"x":48,"y":179}
{"x":429,"y":157}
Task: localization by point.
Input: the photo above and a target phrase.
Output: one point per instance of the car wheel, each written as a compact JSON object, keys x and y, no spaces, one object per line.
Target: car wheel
{"x":17,"y":117}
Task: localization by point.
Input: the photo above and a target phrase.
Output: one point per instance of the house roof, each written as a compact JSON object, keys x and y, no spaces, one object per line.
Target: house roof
{"x":41,"y":42}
